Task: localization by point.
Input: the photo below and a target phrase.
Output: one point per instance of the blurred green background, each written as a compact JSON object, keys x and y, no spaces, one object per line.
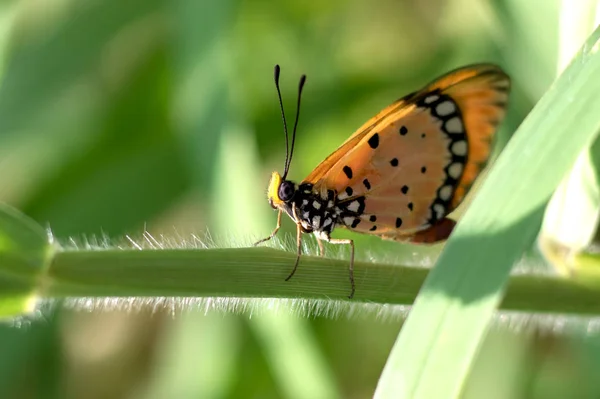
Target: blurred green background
{"x":118,"y":117}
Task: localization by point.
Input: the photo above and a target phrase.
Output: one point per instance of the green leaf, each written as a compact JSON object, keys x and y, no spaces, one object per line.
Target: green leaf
{"x":261,"y":273}
{"x":437,"y":345}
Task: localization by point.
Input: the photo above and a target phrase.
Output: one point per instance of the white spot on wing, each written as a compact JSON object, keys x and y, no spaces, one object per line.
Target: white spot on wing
{"x":327,"y":222}
{"x":431,"y":99}
{"x":316,"y":221}
{"x":445,"y":192}
{"x":454,"y":125}
{"x":304,"y":202}
{"x":455,"y":170}
{"x":445,"y":108}
{"x":342,"y":195}
{"x":348,"y":220}
{"x":353,"y":206}
{"x":305,"y":215}
{"x":459,"y":147}
{"x":439,"y":211}
{"x":316,"y":205}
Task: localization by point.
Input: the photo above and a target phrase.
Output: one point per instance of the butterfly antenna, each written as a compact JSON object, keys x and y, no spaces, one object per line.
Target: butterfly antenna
{"x":287,"y":149}
{"x":300,"y":87}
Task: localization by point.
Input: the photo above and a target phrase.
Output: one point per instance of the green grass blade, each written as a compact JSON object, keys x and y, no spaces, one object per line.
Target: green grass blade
{"x":572,"y":214}
{"x":260,"y":273}
{"x":294,"y":357}
{"x":437,"y":345}
{"x":196,"y":358}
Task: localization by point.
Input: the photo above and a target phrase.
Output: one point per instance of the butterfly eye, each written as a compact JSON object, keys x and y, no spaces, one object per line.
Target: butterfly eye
{"x":286,"y":191}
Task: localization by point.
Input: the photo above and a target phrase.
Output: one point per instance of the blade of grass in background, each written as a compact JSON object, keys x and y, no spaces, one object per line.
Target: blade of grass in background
{"x":295,"y":360}
{"x":437,"y":345}
{"x":196,"y":358}
{"x":501,"y":364}
{"x":572,"y":215}
{"x":132,"y":170}
{"x":25,"y":93}
{"x":202,"y":103}
{"x":571,"y":219}
{"x":531,"y":30}
{"x":198,"y":354}
{"x":36,"y":350}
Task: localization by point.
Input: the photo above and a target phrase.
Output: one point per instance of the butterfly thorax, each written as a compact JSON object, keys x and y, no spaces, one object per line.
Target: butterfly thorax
{"x":315,"y":210}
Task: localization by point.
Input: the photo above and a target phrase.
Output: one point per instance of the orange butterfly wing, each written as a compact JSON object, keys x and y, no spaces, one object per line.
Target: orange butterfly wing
{"x":321,"y":169}
{"x":415,"y":161}
{"x":481,"y":92}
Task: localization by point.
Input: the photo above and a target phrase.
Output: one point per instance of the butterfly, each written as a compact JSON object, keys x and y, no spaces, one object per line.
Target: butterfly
{"x":402,"y":172}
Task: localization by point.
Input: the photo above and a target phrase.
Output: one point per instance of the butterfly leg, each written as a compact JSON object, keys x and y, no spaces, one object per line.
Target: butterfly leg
{"x":339,"y":241}
{"x":274,"y":231}
{"x":298,"y":242}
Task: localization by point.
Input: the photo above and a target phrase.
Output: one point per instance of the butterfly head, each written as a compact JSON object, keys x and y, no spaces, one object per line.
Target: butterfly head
{"x":282,"y":191}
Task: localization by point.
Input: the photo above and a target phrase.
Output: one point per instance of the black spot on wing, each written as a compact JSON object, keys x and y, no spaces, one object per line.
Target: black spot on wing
{"x":361,"y":207}
{"x":348,"y":171}
{"x":374,"y":141}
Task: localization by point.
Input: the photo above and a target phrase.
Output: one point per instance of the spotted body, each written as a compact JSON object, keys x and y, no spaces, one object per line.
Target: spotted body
{"x":401,"y":174}
{"x":321,"y":212}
